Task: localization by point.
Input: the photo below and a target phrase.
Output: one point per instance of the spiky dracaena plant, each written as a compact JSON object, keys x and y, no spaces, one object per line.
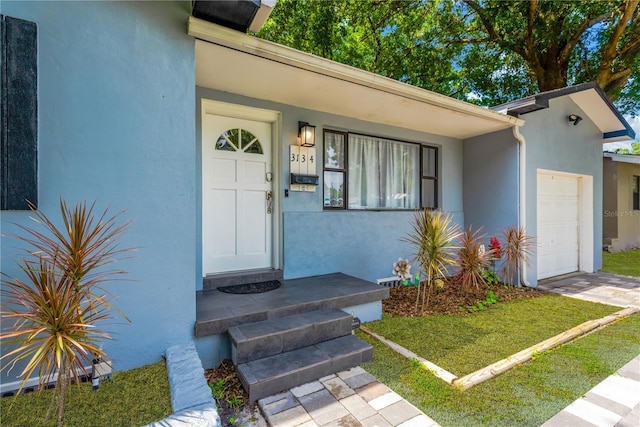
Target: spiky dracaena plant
{"x":472,"y":259}
{"x":432,"y":237}
{"x":56,"y":308}
{"x":516,"y":252}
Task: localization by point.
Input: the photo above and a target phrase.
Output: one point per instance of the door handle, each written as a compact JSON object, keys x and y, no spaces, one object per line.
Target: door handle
{"x":269,"y":201}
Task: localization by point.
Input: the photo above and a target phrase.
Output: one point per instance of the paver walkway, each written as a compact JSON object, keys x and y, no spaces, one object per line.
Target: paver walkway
{"x":349,"y":399}
{"x":606,"y":288}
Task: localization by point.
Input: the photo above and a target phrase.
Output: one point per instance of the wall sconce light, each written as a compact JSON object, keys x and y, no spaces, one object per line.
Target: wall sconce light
{"x":306,"y":134}
{"x":574,"y":118}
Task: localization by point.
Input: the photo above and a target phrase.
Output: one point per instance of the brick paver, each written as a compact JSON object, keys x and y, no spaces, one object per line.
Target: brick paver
{"x":332,"y":401}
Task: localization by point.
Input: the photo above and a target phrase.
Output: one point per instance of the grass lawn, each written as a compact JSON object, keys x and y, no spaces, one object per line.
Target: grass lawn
{"x":464,"y":344}
{"x":525,"y":396}
{"x":132,"y":398}
{"x":626,"y":263}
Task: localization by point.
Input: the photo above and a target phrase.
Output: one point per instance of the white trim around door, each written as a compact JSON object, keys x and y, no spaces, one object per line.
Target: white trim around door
{"x":241,"y":225}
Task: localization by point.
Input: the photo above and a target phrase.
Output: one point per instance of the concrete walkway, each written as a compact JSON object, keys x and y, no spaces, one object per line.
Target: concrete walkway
{"x":355,"y":398}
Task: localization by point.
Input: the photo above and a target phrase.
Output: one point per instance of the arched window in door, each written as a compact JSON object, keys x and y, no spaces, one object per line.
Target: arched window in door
{"x":239,"y":140}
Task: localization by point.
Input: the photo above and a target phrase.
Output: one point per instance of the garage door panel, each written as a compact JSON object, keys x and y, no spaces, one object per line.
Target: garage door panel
{"x":558,"y":225}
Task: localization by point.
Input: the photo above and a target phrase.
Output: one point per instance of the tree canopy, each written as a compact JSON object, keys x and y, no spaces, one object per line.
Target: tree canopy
{"x":483,"y":51}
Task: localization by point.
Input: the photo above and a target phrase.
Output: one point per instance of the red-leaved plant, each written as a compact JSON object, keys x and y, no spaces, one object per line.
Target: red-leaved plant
{"x":56,"y":308}
{"x":472,"y":260}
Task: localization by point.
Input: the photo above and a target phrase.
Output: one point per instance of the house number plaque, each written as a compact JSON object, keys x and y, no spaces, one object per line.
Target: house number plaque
{"x":302,"y":161}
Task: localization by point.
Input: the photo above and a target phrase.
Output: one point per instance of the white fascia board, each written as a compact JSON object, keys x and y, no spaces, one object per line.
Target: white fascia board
{"x":217,"y":34}
{"x":266,"y":7}
{"x":623,"y":158}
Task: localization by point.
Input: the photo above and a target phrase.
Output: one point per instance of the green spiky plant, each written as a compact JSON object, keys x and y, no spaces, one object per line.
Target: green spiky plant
{"x":473,"y":260}
{"x":433,"y":238}
{"x":516,"y":252}
{"x":56,"y":307}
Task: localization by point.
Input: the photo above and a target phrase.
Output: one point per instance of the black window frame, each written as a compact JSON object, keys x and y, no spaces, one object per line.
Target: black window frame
{"x":635,"y":193}
{"x":424,"y":177}
{"x":344,"y":170}
{"x":430,"y":178}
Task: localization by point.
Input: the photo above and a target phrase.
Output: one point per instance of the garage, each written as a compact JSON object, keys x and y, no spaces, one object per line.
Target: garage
{"x":558,"y":223}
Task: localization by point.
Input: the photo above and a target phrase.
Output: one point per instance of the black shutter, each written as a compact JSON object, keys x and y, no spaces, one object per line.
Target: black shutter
{"x":19,"y":111}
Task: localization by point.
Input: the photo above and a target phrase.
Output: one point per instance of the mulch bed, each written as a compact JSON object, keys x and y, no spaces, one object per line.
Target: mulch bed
{"x":451,"y":299}
{"x":231,"y":399}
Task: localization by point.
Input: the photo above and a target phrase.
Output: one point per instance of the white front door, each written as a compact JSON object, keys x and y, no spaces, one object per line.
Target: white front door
{"x":558,"y":224}
{"x":236,"y":194}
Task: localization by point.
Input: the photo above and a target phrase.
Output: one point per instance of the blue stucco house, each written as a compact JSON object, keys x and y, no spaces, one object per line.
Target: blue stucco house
{"x":195,"y":130}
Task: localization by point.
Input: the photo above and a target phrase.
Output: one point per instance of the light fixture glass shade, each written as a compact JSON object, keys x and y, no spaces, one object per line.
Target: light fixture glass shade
{"x":306,"y":134}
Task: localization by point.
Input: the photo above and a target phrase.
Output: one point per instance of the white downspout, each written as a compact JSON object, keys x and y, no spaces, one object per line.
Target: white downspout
{"x":522,"y":193}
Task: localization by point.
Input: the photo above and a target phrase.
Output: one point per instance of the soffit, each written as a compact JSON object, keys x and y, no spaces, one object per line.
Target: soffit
{"x":598,"y":111}
{"x":236,"y":63}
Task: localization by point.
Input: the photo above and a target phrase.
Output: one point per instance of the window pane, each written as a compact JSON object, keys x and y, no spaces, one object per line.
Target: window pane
{"x":636,"y":193}
{"x":383,"y":174}
{"x":246,"y":138}
{"x":429,"y":158}
{"x":333,"y":189}
{"x":228,"y":141}
{"x":333,"y":150}
{"x":429,"y":193}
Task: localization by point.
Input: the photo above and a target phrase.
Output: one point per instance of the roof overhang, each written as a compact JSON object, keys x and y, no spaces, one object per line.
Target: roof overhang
{"x":233,"y":62}
{"x":590,"y":98}
{"x":240,"y":15}
{"x":623,"y":158}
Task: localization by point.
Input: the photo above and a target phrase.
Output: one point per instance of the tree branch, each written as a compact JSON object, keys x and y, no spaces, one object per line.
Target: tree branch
{"x":631,"y":48}
{"x":488,"y":26}
{"x":530,"y":49}
{"x":469,"y":41}
{"x":493,"y":34}
{"x":577,"y":35}
{"x":610,"y":50}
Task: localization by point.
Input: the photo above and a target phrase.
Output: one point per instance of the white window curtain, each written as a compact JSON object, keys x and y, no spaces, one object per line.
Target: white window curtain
{"x":383,"y":174}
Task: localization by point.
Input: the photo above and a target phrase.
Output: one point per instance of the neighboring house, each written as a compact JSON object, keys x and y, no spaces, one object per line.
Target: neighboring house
{"x":551,"y":180}
{"x":621,"y":202}
{"x":145,"y":108}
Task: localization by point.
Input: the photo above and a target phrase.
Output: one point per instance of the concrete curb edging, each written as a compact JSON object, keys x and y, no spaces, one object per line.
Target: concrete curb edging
{"x":501,"y":366}
{"x":191,"y":398}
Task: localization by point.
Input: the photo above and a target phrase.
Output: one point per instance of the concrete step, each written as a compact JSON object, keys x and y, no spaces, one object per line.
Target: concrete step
{"x":214,"y":281}
{"x":273,"y":374}
{"x":262,"y":339}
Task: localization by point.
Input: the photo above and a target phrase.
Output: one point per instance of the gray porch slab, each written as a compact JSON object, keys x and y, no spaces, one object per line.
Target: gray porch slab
{"x":216,"y":311}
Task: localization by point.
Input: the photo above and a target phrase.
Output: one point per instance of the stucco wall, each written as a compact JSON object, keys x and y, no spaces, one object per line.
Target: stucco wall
{"x":491,"y":182}
{"x":628,"y":219}
{"x":553,"y":143}
{"x":116,"y":96}
{"x":362,"y":244}
{"x":609,"y":199}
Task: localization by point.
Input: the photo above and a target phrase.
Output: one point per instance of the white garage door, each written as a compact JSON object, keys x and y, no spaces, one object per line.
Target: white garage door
{"x":558,"y":224}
